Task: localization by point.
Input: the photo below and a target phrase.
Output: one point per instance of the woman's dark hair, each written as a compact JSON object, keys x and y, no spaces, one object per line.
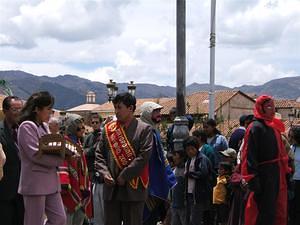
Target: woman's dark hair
{"x":295,"y":131}
{"x":212,"y":123}
{"x":37,"y":100}
{"x":125,"y":98}
{"x":201,"y":135}
{"x":191,"y":141}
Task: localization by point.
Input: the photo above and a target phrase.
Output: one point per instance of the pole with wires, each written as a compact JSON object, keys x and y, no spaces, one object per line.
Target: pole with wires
{"x":212,"y":60}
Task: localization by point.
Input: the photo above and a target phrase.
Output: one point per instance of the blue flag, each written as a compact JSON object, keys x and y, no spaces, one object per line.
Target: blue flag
{"x":161,"y":176}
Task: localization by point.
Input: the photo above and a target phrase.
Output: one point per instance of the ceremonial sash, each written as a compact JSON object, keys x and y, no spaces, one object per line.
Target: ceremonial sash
{"x":123,"y":153}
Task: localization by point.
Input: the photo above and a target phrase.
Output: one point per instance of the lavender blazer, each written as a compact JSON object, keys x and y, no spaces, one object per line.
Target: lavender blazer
{"x":38,"y":172}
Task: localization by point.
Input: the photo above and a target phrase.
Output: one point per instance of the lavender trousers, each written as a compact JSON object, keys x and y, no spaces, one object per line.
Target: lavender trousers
{"x":37,"y":206}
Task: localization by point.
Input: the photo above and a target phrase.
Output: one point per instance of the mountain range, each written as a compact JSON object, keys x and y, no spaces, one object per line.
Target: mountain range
{"x":70,"y":90}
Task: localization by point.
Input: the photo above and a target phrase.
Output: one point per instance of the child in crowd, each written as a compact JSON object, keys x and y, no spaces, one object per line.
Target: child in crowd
{"x":221,"y":193}
{"x":178,"y":209}
{"x":198,"y":172}
{"x":229,"y":155}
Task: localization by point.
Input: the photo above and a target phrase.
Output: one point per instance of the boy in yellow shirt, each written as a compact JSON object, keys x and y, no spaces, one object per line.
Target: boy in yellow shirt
{"x":221,"y":194}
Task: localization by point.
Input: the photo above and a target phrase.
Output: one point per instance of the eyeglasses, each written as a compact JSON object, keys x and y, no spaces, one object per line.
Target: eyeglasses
{"x":80,"y":128}
{"x":94,"y":122}
{"x":15,"y":109}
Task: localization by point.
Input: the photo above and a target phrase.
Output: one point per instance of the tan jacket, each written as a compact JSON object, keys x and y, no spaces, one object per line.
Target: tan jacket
{"x":140,"y":137}
{"x":220,"y":191}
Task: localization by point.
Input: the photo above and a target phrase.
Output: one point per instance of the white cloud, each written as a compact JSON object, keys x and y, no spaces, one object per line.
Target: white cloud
{"x":65,"y":20}
{"x":262,"y":24}
{"x":257,"y":40}
{"x":256,"y":73}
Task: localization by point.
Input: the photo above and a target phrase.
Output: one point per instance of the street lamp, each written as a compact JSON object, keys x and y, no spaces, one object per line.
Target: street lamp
{"x":131,"y":88}
{"x":110,"y":89}
{"x":115,"y":91}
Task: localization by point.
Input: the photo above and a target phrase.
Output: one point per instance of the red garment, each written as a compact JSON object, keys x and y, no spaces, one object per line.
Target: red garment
{"x":251,"y":210}
{"x":259,"y":114}
{"x":76,"y":186}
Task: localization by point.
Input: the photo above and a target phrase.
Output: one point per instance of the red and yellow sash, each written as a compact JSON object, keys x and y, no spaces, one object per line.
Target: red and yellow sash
{"x":123,"y":152}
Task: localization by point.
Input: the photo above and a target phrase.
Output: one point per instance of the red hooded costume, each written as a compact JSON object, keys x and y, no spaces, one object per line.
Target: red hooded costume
{"x":264,"y":167}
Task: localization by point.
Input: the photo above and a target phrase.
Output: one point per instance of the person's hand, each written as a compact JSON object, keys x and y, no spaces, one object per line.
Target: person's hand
{"x":108,"y":179}
{"x":244,"y":184}
{"x":121,"y":181}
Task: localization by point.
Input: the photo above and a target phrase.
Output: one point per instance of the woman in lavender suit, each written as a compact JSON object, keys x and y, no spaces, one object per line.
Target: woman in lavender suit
{"x":39,"y":182}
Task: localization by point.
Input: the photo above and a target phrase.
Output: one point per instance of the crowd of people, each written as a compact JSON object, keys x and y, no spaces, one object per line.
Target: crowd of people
{"x":123,"y":172}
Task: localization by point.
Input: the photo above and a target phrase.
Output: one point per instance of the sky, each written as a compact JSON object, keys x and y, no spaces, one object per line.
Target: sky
{"x":124,"y":40}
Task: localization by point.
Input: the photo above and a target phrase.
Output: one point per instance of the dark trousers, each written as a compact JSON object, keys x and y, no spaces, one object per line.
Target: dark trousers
{"x":12,"y":211}
{"x":194,"y":214}
{"x":295,"y":205}
{"x":130,"y":213}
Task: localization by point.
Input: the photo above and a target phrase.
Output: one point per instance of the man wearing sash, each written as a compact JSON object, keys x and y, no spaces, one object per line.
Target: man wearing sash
{"x":122,"y":158}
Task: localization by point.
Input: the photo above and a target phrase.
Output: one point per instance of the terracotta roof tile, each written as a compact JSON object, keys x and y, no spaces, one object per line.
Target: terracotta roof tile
{"x":108,"y":107}
{"x":198,"y":103}
{"x":286,"y":103}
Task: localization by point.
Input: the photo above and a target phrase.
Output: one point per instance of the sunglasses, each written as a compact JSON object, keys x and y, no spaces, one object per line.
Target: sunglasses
{"x":94,"y":122}
{"x":80,"y":128}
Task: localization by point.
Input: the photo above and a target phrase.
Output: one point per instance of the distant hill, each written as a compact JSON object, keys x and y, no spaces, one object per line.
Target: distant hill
{"x":70,"y":90}
{"x":195,"y":87}
{"x":288,"y":87}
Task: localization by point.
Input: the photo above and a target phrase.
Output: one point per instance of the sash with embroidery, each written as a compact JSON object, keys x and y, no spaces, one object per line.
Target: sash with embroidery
{"x":123,"y":152}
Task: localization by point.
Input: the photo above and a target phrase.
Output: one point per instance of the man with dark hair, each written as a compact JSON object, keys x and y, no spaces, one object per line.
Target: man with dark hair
{"x":11,"y":203}
{"x":198,"y":181}
{"x":170,"y":138}
{"x":89,"y":147}
{"x":122,"y":161}
{"x":238,"y":134}
{"x":205,"y":148}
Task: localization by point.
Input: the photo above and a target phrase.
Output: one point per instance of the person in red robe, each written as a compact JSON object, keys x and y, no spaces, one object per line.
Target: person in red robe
{"x":265,"y":166}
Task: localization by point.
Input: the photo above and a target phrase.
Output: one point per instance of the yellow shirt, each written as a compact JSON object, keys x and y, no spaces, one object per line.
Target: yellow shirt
{"x":220,"y":191}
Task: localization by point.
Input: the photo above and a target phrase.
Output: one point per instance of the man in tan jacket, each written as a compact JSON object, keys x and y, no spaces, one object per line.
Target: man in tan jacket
{"x":122,"y":160}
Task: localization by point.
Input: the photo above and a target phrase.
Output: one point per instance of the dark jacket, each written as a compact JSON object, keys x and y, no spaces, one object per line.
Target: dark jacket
{"x":89,"y":147}
{"x":236,"y":138}
{"x":203,"y":174}
{"x":11,"y":170}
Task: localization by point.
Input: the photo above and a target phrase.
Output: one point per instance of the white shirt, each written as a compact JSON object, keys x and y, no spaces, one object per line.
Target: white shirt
{"x":191,"y":181}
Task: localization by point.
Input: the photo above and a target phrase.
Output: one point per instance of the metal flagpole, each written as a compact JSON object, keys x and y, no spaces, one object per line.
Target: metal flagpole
{"x":212,"y":60}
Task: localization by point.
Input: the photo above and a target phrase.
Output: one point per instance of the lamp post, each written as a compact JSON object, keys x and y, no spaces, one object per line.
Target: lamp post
{"x":180,"y":131}
{"x":131,"y":88}
{"x":115,"y":91}
{"x":112,"y":89}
